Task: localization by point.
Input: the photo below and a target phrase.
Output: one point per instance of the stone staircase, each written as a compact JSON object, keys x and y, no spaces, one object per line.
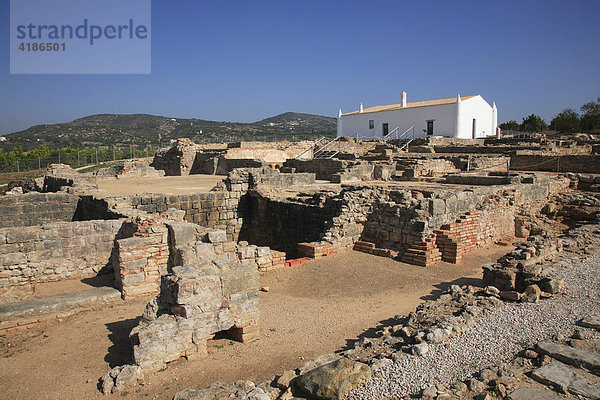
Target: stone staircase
{"x":325,"y":154}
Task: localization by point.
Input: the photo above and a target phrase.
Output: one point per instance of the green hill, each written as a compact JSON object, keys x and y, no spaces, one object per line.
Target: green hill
{"x":145,"y":130}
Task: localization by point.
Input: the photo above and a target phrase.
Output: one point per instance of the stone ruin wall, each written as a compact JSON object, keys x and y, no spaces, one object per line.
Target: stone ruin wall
{"x":55,"y":251}
{"x":422,"y":230}
{"x":35,"y":208}
{"x":157,"y":245}
{"x":282,"y":224}
{"x":589,"y":164}
{"x":186,"y":158}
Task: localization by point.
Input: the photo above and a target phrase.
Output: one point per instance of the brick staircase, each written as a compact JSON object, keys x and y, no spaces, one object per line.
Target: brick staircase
{"x":422,"y":253}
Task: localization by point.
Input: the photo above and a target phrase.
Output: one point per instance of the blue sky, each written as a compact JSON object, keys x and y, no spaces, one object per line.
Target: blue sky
{"x":248,"y":60}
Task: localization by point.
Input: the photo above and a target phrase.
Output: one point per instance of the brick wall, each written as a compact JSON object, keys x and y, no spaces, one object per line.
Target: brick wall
{"x":36,"y":208}
{"x":422,"y":231}
{"x":56,"y":251}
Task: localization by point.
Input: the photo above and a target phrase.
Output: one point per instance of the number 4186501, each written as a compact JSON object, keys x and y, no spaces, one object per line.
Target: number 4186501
{"x":42,"y":46}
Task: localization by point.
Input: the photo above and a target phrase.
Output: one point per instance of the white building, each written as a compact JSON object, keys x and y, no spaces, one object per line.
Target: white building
{"x":466,"y":117}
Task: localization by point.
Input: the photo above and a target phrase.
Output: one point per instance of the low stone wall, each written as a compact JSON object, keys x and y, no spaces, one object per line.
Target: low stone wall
{"x":356,"y":172}
{"x":226,"y":165}
{"x":56,"y":251}
{"x":219,"y":210}
{"x":36,"y":208}
{"x":323,"y":168}
{"x":155,"y":245}
{"x":552,"y":163}
{"x":129,"y":169}
{"x":429,"y":167}
{"x":61,"y":177}
{"x":421,"y":231}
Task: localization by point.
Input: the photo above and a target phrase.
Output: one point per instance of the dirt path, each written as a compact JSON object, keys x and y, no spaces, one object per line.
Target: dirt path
{"x":312,"y":309}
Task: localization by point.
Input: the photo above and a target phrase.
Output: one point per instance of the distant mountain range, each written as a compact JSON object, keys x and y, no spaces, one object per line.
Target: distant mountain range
{"x":145,"y":130}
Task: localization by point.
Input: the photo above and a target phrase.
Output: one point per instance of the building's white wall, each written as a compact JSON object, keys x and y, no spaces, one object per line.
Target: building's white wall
{"x":475,"y":108}
{"x":444,"y":124}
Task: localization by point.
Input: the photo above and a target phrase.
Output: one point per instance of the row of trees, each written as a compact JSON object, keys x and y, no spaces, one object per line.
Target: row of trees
{"x":18,"y":160}
{"x":567,"y":121}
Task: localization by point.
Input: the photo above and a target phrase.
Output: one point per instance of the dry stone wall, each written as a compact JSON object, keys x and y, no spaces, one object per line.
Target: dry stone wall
{"x":155,"y":245}
{"x":56,"y":251}
{"x":36,"y":208}
{"x":565,"y":163}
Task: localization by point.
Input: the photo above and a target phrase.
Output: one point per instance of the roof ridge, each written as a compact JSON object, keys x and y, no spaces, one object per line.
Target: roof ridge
{"x":411,"y":104}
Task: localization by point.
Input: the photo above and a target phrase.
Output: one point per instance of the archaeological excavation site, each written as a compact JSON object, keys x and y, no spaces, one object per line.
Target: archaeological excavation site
{"x":437,"y":268}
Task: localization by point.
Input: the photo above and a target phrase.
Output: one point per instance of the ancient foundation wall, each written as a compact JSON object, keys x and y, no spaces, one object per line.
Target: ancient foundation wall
{"x":219,"y":210}
{"x":422,"y":230}
{"x":282,"y":225}
{"x":564,"y":163}
{"x":56,"y":251}
{"x":224,"y":208}
{"x":323,"y":168}
{"x":154,"y":246}
{"x":36,"y":208}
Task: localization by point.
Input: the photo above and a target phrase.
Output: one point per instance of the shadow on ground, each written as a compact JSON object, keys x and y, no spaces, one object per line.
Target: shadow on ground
{"x":121,"y":352}
{"x":441,"y":287}
{"x":100,"y":280}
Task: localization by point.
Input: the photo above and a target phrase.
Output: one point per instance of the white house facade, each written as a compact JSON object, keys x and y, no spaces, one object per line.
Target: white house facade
{"x":467,"y":117}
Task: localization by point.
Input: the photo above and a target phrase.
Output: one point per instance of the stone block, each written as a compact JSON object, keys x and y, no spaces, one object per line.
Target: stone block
{"x":246,"y":252}
{"x":334,"y":380}
{"x":217,"y":236}
{"x":14,"y":259}
{"x":203,"y":291}
{"x":133,"y":264}
{"x":437,"y":207}
{"x":141,"y":289}
{"x":183,"y":233}
{"x":138,"y":241}
{"x":240,"y":278}
{"x":132,"y":279}
{"x":22,"y":235}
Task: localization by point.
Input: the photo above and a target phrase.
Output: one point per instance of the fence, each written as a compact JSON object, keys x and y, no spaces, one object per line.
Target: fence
{"x":263,"y":137}
{"x":11,"y":162}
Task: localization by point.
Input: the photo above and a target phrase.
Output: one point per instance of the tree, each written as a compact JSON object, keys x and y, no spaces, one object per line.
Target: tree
{"x":590,"y":120}
{"x":565,"y":122}
{"x":18,"y":151}
{"x":533,"y":123}
{"x":511,"y":125}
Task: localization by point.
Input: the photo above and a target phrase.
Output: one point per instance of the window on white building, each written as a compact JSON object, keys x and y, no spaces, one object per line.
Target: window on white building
{"x":371,"y":124}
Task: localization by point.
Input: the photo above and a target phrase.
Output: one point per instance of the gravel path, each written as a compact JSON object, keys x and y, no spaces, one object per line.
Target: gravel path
{"x":495,"y":338}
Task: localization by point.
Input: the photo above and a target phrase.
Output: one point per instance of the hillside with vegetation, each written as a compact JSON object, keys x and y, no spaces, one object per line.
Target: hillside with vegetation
{"x":142,"y":130}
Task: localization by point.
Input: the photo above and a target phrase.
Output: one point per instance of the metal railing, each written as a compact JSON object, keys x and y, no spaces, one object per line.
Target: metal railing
{"x":394,"y":131}
{"x":326,"y":145}
{"x":311,"y":147}
{"x":402,"y":136}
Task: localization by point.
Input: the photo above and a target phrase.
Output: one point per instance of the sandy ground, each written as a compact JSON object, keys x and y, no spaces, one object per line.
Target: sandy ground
{"x":162,"y":185}
{"x":204,"y":183}
{"x":312,"y":309}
